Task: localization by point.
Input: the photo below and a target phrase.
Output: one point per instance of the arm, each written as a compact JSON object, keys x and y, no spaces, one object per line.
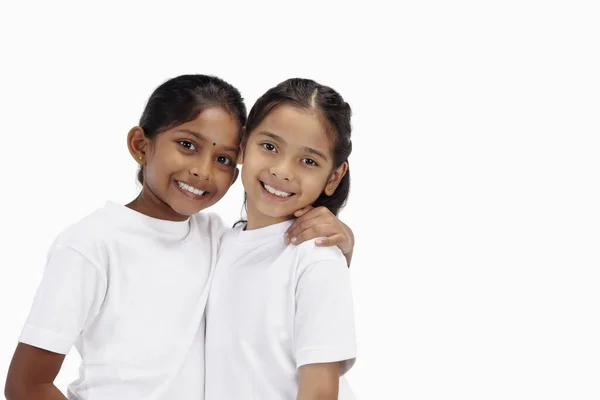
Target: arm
{"x":320,"y":222}
{"x":31,"y":374}
{"x":66,"y":301}
{"x":318,"y":381}
{"x":325,"y":345}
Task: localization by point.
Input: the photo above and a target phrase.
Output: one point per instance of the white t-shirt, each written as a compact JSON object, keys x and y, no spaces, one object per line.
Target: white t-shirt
{"x":273,"y":308}
{"x":129,"y":292}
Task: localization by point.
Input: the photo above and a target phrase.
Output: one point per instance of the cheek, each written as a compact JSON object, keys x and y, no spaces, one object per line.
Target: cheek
{"x":245,"y":174}
{"x":161,"y":165}
{"x":251,"y":165}
{"x":314,"y":184}
{"x":167,"y":156}
{"x":224,"y":178}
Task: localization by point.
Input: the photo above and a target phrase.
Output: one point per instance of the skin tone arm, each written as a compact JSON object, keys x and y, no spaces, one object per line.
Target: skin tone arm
{"x":318,"y":381}
{"x":31,"y":374}
{"x":320,"y":222}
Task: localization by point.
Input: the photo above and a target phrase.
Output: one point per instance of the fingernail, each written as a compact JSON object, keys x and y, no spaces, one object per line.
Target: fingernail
{"x":294,"y":240}
{"x":318,"y":242}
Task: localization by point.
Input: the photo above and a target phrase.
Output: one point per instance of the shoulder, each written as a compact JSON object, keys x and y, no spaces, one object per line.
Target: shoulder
{"x":309,"y":252}
{"x":87,"y":237}
{"x":90,"y":227}
{"x":311,"y":256}
{"x":321,"y":275}
{"x":210,"y":223}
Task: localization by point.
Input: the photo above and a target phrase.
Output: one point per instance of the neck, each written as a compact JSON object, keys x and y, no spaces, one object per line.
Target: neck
{"x":257,"y":220}
{"x":149,"y":204}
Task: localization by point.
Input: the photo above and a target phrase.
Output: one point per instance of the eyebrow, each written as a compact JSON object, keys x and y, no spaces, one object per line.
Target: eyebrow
{"x":281,"y":140}
{"x":200,"y":137}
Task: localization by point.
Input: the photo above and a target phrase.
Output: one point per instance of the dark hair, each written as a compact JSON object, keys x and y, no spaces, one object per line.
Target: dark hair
{"x":181,"y":99}
{"x":335,"y":114}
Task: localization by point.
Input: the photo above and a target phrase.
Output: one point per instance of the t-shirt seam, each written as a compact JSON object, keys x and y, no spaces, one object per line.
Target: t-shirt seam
{"x":321,"y":347}
{"x":48,"y":331}
{"x":96,"y":266}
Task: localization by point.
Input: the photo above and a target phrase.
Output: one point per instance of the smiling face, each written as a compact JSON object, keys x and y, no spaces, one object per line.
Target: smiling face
{"x":189,"y":167}
{"x":287,"y":164}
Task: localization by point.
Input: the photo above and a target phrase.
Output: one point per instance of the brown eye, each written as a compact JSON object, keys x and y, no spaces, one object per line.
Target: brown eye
{"x":187,"y":145}
{"x":268,"y":146}
{"x":309,"y":161}
{"x":224,"y":160}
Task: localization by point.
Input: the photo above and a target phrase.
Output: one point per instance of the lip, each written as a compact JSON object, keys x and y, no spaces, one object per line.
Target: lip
{"x":190,"y":194}
{"x":270,"y":195}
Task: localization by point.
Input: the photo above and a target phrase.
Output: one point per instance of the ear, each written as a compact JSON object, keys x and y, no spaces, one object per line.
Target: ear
{"x":335,"y":179}
{"x":240,"y":159}
{"x":137,"y":142}
{"x":236,"y":173}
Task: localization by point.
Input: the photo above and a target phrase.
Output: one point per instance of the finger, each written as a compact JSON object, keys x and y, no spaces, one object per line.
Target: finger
{"x":319,"y":211}
{"x":326,"y":235}
{"x":312,"y":217}
{"x":302,"y":211}
{"x":322,"y":213}
{"x":336,"y":240}
{"x":313,"y":232}
{"x":306,"y":222}
{"x":312,"y":211}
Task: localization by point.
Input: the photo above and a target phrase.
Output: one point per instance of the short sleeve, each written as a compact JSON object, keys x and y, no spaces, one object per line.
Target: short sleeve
{"x":324,"y":320}
{"x":67,"y":300}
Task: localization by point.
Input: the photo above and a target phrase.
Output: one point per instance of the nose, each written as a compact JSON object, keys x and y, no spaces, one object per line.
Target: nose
{"x":282,"y":170}
{"x":202,"y":168}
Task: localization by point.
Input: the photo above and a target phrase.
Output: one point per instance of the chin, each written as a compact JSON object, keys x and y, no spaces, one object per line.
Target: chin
{"x":190,"y":207}
{"x":187,"y":210}
{"x":184,"y":212}
{"x":276,"y":212}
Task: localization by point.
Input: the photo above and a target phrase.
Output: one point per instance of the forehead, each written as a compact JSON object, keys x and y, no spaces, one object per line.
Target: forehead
{"x":216,"y":125}
{"x":297,"y":126}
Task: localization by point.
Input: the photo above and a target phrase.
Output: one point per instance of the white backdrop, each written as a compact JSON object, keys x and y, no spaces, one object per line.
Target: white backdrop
{"x":475,"y":198}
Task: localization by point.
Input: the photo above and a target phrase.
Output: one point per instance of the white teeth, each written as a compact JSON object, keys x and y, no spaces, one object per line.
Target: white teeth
{"x":190,"y":188}
{"x":276,"y":192}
